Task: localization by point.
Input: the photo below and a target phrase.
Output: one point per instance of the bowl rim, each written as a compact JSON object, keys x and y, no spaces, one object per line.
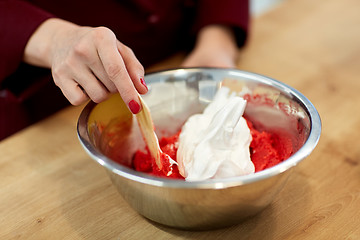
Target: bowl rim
{"x":303,"y":152}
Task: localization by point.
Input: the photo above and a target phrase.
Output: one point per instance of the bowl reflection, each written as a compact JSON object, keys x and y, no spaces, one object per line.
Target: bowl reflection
{"x":110,"y":135}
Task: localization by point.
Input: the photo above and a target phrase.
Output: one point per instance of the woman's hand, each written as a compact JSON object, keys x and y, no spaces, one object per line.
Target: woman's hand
{"x":215,"y":47}
{"x":87,"y":62}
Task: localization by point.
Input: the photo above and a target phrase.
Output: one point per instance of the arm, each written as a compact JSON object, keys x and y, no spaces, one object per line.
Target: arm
{"x":86,"y":62}
{"x":18,"y":20}
{"x":215,"y":47}
{"x":221,"y":29}
{"x":81,"y":58}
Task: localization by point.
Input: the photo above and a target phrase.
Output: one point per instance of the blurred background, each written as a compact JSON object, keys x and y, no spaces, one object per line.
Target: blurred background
{"x":259,"y":6}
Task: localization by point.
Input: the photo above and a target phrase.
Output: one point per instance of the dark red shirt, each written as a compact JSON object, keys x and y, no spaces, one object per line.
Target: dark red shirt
{"x":153,"y":29}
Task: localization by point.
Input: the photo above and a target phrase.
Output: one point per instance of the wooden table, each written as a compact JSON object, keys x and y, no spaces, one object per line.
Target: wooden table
{"x":51,"y":189}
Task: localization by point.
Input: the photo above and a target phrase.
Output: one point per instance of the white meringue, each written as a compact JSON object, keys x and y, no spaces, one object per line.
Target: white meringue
{"x":215,"y":144}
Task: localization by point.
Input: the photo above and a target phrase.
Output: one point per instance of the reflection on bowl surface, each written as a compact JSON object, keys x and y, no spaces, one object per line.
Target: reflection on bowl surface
{"x":108,"y":131}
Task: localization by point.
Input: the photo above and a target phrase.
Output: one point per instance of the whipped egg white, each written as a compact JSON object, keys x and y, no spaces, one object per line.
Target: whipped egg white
{"x":215,"y":144}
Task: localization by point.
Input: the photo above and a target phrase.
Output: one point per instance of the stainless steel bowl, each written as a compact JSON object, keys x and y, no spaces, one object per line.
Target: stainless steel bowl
{"x":108,"y":131}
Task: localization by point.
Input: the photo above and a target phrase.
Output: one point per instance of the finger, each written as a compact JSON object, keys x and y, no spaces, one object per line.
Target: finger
{"x":97,"y":69}
{"x":99,"y":72}
{"x":91,"y":85}
{"x":116,"y":70}
{"x":134,"y":67}
{"x":73,"y":92}
{"x":86,"y":51}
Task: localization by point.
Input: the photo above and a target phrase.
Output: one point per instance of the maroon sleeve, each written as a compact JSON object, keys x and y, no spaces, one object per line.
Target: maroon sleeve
{"x":18,"y":20}
{"x":233,"y":13}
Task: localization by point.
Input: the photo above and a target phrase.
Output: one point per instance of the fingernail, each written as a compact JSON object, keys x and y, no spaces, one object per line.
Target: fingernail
{"x":134,"y":106}
{"x":143,"y":83}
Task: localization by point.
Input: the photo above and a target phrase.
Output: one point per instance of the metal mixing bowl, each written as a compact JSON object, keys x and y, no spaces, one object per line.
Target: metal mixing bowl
{"x":108,"y":131}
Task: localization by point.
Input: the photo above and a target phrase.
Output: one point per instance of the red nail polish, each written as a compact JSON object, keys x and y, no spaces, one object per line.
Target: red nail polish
{"x":143,"y":83}
{"x":134,"y":107}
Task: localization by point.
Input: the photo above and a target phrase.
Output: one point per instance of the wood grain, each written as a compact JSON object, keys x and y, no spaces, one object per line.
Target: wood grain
{"x":50,"y":189}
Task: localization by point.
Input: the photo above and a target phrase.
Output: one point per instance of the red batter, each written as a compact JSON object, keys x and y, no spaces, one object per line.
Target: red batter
{"x":143,"y":162}
{"x":266,"y":149}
